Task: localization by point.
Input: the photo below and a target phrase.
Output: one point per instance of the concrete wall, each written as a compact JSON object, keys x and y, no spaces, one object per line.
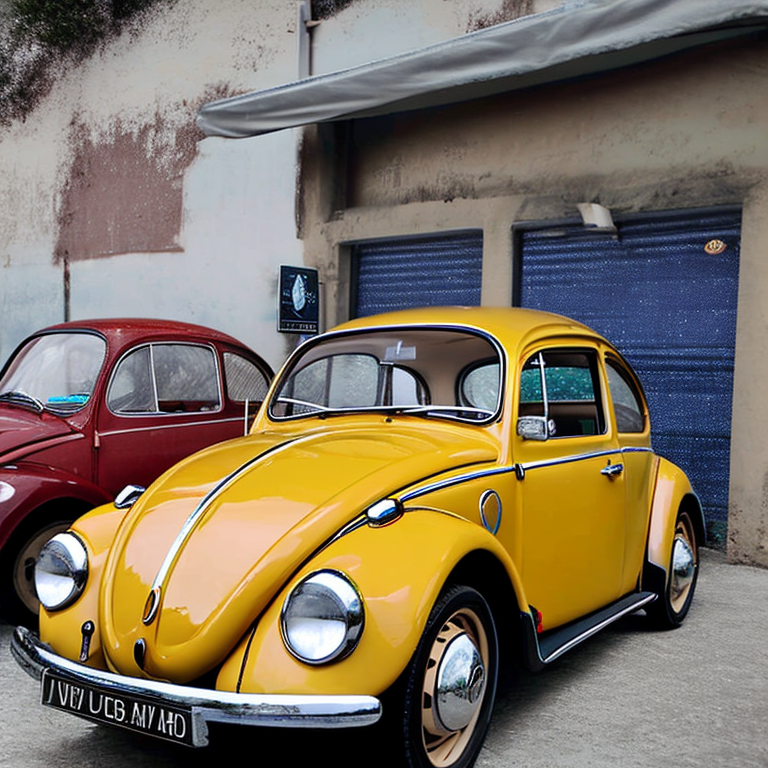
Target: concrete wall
{"x":685,"y":132}
{"x":109,"y":175}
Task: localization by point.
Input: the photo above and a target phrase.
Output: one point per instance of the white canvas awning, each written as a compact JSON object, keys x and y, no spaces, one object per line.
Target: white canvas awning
{"x":574,"y":40}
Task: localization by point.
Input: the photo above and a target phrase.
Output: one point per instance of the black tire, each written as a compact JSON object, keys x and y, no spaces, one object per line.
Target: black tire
{"x":18,"y":599}
{"x":672,"y":605}
{"x":448,"y":730}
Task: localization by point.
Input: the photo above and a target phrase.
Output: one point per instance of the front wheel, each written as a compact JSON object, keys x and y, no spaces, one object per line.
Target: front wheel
{"x":451,"y":683}
{"x":673,"y":604}
{"x":17,"y":576}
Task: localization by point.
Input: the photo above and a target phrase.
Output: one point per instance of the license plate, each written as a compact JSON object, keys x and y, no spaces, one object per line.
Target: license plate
{"x":116,"y":708}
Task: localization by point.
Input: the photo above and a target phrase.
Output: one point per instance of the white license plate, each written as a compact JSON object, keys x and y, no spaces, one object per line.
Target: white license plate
{"x":116,"y":708}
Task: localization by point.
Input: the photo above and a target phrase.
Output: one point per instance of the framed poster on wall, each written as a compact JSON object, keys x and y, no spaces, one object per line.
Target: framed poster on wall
{"x":297,"y":302}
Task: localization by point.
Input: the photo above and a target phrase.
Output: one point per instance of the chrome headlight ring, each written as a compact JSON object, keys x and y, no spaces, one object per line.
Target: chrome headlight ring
{"x":61,"y":571}
{"x":322,"y":618}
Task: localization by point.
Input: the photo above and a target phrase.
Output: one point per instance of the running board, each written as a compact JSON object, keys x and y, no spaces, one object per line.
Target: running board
{"x":541,"y":650}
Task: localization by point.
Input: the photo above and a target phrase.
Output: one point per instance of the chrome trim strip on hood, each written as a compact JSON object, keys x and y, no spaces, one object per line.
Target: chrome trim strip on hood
{"x":155,"y":593}
{"x":273,"y":710}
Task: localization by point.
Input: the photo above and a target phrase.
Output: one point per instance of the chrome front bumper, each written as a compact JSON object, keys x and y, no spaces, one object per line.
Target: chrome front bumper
{"x":272,"y":710}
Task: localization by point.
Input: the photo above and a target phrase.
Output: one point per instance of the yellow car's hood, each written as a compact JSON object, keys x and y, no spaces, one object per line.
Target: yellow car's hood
{"x":217,"y":552}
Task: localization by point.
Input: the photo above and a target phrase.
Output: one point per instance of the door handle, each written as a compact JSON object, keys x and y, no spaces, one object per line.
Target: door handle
{"x":612,"y":470}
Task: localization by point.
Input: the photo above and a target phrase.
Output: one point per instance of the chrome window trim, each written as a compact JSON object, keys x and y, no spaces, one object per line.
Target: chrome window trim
{"x":287,"y":367}
{"x":158,"y":413}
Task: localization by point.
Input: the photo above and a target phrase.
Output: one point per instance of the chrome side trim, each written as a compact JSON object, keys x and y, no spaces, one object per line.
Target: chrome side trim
{"x":593,"y":630}
{"x":518,"y":469}
{"x":439,"y":485}
{"x":199,"y":415}
{"x":569,"y":459}
{"x":273,"y":710}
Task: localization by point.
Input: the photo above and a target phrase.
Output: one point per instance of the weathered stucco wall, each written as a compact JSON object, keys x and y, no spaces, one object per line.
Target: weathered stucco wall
{"x":366,"y":30}
{"x":108,"y":181}
{"x":685,"y":132}
{"x":110,"y":174}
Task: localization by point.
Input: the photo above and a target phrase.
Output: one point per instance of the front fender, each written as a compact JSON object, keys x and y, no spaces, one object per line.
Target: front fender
{"x":673,"y":490}
{"x":400,"y":570}
{"x":62,"y":630}
{"x":25,"y":487}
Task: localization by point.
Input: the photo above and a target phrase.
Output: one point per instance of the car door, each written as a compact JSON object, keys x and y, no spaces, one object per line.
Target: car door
{"x":572,"y":487}
{"x":633,"y":428}
{"x":163,"y":402}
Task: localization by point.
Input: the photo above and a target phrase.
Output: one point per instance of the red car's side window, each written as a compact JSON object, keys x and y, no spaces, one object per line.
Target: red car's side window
{"x":165,"y":378}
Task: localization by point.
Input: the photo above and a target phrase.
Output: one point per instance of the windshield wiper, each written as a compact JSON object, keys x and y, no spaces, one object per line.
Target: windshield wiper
{"x":448,"y":411}
{"x":18,"y":396}
{"x":304,"y":403}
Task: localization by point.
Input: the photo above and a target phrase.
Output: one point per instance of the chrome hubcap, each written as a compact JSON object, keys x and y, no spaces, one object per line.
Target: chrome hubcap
{"x":683,"y":565}
{"x":460,"y":684}
{"x":454,"y":687}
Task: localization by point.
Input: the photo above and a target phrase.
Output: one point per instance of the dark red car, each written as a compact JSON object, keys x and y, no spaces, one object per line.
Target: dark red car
{"x":89,"y":407}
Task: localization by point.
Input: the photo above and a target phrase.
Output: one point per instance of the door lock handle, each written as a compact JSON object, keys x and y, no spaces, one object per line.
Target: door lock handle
{"x":612,"y":470}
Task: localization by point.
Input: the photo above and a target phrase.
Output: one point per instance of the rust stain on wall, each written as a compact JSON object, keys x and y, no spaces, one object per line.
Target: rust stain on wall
{"x":124,"y":191}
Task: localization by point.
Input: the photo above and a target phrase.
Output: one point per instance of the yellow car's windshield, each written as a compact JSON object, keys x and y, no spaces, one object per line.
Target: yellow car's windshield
{"x":441,"y":372}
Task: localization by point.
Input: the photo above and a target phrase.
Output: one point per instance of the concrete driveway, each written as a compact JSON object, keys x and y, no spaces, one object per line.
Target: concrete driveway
{"x":697,"y":696}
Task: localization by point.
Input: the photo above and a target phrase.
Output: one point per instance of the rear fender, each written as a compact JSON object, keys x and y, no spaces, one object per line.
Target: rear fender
{"x":400,"y":571}
{"x":672,"y":492}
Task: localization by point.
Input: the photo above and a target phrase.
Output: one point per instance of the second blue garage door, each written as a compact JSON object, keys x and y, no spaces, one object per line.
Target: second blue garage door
{"x":665,"y":292}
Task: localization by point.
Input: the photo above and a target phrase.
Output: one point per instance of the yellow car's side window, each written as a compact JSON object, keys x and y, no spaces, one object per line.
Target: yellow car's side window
{"x":563,"y":385}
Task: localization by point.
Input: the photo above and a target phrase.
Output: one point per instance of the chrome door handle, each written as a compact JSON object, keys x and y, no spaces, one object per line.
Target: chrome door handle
{"x":612,"y":470}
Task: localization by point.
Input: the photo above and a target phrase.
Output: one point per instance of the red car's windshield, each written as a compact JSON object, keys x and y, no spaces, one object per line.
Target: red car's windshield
{"x":56,"y":371}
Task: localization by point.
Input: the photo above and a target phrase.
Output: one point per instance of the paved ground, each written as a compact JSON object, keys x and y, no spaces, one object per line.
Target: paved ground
{"x":697,"y":696}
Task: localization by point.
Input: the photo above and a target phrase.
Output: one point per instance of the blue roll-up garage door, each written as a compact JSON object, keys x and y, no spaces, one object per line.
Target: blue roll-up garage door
{"x":418,"y":272}
{"x":665,"y":292}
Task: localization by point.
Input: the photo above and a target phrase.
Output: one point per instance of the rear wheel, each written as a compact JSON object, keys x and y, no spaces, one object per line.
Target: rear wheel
{"x":673,"y":604}
{"x":451,"y":683}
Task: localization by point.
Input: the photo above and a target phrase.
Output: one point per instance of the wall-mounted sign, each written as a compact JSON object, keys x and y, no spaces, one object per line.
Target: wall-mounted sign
{"x":297,"y":303}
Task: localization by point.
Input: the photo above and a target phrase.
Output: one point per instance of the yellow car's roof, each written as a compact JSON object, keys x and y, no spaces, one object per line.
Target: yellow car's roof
{"x":505,"y":323}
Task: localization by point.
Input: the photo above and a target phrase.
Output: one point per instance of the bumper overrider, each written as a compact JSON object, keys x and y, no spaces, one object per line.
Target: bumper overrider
{"x":177,"y":713}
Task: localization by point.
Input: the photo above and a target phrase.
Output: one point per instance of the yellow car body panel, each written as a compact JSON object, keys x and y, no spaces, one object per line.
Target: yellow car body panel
{"x":672,"y":487}
{"x":213,"y":589}
{"x":400,"y":586}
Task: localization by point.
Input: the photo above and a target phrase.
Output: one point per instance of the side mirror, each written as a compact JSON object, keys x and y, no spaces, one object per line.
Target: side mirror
{"x":533,"y":428}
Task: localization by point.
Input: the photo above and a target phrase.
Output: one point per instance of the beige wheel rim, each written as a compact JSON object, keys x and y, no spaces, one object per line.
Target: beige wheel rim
{"x":461,"y":640}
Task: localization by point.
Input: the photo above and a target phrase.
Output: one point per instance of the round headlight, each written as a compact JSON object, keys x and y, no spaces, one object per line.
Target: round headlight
{"x":61,"y":571}
{"x":322,"y":618}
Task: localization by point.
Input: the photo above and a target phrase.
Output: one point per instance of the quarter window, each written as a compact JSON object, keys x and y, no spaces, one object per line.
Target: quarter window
{"x":245,"y":381}
{"x":627,"y":403}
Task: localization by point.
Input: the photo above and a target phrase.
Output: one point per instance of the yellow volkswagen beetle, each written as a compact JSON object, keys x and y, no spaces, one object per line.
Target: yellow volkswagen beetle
{"x":422,"y":494}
